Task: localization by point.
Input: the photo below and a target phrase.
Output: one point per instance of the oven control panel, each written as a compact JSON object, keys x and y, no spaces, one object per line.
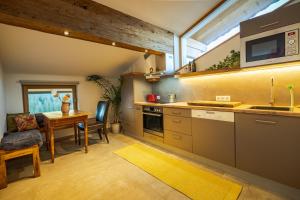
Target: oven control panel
{"x":154,"y":109}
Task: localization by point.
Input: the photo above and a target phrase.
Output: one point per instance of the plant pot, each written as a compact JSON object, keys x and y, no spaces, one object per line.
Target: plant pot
{"x":65,"y":108}
{"x":116,"y":127}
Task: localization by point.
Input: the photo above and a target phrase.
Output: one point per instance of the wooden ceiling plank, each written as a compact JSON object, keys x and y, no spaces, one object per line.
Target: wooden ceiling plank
{"x":87,"y":20}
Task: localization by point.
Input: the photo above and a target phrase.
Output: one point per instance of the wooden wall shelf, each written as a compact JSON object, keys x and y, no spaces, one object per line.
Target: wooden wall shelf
{"x":207,"y":72}
{"x":133,"y":74}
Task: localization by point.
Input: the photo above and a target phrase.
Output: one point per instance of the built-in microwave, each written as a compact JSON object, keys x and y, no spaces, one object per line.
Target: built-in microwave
{"x":270,"y":47}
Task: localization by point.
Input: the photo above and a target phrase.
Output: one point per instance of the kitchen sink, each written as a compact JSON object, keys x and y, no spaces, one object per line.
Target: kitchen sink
{"x":278,"y":108}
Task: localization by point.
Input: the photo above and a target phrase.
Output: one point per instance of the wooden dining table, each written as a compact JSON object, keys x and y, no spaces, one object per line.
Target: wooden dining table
{"x":58,"y":120}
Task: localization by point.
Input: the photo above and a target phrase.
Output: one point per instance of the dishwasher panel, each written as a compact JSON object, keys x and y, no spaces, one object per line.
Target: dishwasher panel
{"x":213,"y":135}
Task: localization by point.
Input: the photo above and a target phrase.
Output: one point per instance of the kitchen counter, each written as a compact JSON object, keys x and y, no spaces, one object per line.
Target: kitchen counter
{"x":244,"y":108}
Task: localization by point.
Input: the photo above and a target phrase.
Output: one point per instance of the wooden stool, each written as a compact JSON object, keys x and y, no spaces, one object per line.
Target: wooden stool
{"x":6,"y":155}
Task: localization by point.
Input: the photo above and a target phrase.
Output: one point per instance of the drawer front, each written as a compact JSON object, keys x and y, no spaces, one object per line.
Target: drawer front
{"x":178,"y":140}
{"x":154,"y":138}
{"x":178,"y":124}
{"x":213,"y":115}
{"x":177,"y":112}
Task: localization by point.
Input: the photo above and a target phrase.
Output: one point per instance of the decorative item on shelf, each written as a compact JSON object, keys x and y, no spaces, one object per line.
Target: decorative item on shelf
{"x":193,"y":66}
{"x":231,"y":61}
{"x":189,"y":69}
{"x":112,"y":93}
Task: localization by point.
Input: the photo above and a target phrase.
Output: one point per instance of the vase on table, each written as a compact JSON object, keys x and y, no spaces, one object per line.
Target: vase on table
{"x":65,"y":107}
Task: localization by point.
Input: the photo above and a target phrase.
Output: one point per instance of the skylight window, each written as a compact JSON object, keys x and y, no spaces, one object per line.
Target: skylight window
{"x":222,"y":24}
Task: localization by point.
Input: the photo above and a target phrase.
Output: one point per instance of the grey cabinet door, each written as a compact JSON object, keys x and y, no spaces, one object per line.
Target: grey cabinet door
{"x":282,"y":17}
{"x":139,"y":121}
{"x":269,"y":146}
{"x":214,"y":140}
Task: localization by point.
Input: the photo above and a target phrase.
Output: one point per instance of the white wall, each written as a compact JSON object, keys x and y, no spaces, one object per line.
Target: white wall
{"x":2,"y":104}
{"x":88,"y":92}
{"x":219,"y":53}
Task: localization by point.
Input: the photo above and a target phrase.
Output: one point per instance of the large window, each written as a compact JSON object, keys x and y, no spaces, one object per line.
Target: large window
{"x":221,"y":25}
{"x":47,"y":98}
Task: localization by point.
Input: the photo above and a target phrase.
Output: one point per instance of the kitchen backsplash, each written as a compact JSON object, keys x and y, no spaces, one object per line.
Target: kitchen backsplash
{"x":252,"y":87}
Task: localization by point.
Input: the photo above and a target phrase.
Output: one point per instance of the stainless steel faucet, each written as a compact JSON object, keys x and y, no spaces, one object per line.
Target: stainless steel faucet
{"x":272,"y":97}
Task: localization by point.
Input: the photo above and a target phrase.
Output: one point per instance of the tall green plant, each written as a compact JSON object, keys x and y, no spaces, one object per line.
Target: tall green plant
{"x":111,"y":93}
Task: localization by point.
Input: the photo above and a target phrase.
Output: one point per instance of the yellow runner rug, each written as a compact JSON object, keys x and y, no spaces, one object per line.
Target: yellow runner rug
{"x":183,"y":176}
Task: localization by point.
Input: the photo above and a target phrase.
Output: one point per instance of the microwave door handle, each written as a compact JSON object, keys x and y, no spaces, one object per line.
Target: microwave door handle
{"x":270,"y":24}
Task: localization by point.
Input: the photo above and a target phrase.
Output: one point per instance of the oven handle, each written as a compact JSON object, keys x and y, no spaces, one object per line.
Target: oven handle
{"x":153,"y":114}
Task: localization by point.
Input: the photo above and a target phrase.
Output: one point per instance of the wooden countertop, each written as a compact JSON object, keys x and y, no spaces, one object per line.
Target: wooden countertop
{"x":243,"y":108}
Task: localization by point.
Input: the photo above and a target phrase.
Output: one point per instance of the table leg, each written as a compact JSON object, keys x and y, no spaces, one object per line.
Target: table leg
{"x":52,"y":144}
{"x":3,"y":181}
{"x":75,"y":132}
{"x":86,"y":135}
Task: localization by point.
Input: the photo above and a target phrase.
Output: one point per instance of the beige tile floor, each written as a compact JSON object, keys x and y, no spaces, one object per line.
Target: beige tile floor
{"x":100,"y":174}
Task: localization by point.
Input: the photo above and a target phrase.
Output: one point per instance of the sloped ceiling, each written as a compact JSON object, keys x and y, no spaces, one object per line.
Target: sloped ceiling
{"x":27,"y":51}
{"x":173,"y":15}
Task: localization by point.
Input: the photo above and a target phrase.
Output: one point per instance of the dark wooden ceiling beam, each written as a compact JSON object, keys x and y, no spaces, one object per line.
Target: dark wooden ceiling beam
{"x":87,"y":20}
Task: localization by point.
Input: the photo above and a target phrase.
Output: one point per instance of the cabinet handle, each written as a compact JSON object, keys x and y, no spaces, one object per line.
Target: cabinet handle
{"x":176,"y":113}
{"x":210,"y":112}
{"x":270,"y":24}
{"x":265,"y":122}
{"x":177,"y":137}
{"x":176,"y":121}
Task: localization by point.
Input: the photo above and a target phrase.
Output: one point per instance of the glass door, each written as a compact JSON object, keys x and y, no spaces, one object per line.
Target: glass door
{"x":266,"y":48}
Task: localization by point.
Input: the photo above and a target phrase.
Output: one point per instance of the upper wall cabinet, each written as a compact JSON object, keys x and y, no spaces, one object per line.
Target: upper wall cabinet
{"x":271,"y":38}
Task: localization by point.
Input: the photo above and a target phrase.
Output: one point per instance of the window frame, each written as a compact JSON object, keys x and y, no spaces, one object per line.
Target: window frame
{"x":26,"y":87}
{"x":202,"y":18}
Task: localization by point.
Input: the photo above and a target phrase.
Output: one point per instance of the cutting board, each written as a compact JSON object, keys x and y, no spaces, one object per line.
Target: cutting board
{"x":229,"y":104}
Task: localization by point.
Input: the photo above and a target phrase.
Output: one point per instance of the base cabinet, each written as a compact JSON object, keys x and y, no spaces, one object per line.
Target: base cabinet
{"x":178,"y":128}
{"x":214,"y":140}
{"x":269,"y":146}
{"x":178,"y":140}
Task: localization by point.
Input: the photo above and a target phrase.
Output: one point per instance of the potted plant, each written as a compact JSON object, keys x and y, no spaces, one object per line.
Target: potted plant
{"x":112,"y":93}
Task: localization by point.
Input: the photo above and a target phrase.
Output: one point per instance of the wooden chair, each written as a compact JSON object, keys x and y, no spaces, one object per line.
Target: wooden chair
{"x":99,"y":124}
{"x":7,"y":155}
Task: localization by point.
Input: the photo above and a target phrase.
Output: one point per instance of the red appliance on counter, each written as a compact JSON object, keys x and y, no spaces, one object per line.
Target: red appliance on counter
{"x":153,"y":98}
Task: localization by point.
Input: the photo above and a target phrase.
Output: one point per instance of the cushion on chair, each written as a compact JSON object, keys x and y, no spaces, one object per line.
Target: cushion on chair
{"x":20,"y":140}
{"x":11,"y":123}
{"x":81,"y":126}
{"x":40,"y":120}
{"x":26,"y":122}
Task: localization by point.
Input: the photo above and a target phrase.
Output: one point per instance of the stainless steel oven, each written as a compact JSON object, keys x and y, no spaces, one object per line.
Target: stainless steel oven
{"x":153,"y":120}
